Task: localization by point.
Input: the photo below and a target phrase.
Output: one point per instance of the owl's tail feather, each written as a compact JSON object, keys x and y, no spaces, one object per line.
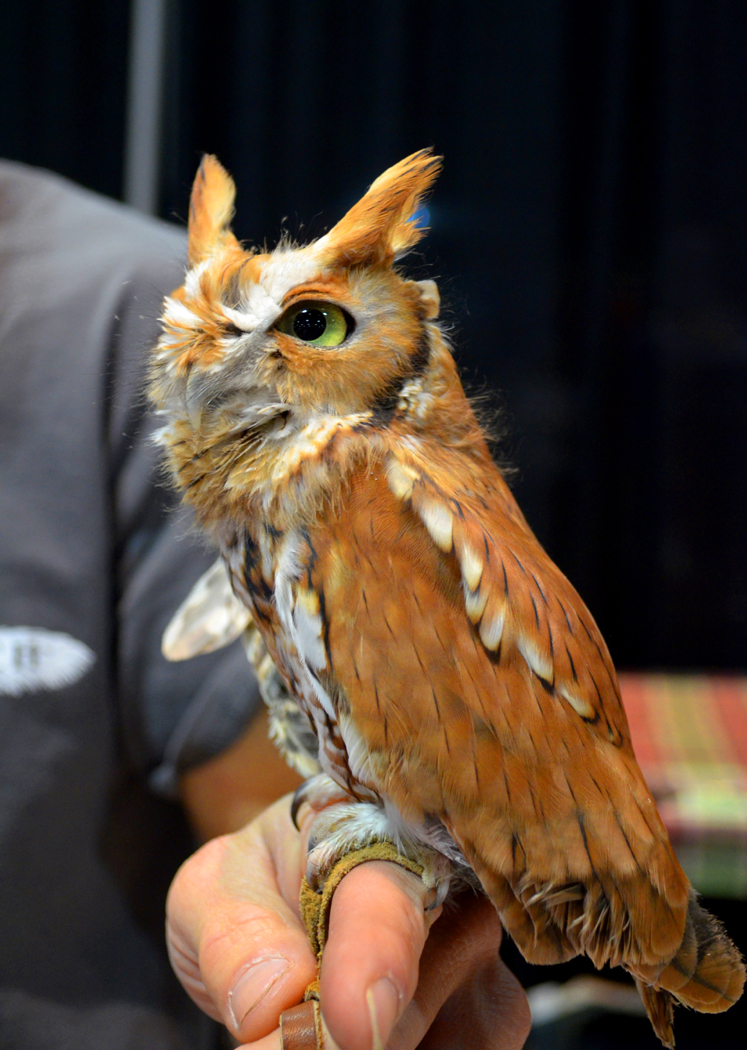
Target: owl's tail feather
{"x":660,"y":1009}
{"x":707,"y":973}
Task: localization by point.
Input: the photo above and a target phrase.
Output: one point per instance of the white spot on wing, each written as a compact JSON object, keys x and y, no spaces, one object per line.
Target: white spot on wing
{"x":580,"y":706}
{"x":439,"y":523}
{"x":32,"y":658}
{"x":401,"y":479}
{"x":475,"y":602}
{"x":538,"y":661}
{"x":472,"y":567}
{"x":491,"y":629}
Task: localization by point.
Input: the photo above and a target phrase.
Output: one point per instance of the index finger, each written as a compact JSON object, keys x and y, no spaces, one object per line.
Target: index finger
{"x":235,"y":940}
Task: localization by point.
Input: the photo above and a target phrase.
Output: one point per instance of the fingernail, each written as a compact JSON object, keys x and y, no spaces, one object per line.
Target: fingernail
{"x":383,"y":1007}
{"x":253,"y":985}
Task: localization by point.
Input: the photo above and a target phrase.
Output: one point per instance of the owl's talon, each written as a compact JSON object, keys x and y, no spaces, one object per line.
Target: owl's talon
{"x":431,"y":901}
{"x":299,"y":797}
{"x":437,"y":893}
{"x":319,"y":792}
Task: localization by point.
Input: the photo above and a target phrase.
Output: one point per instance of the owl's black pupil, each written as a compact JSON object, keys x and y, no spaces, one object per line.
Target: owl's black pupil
{"x":309,"y":324}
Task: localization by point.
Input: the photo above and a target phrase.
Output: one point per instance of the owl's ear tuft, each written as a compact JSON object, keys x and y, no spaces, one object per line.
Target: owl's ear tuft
{"x":210,"y":210}
{"x":384,"y":223}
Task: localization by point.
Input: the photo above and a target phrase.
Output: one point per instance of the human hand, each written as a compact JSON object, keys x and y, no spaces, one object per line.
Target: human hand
{"x":238,"y":946}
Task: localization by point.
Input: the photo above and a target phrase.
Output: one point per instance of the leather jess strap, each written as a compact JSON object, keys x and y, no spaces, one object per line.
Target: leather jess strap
{"x":301,"y":1028}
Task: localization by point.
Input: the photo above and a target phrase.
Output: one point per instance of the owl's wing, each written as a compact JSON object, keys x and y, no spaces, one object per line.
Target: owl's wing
{"x":209,"y":618}
{"x":473,"y":688}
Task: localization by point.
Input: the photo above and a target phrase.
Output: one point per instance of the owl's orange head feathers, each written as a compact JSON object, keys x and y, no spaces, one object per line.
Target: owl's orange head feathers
{"x":258,"y":349}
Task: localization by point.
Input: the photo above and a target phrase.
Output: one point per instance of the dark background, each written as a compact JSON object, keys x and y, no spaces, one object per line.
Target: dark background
{"x":589,"y":235}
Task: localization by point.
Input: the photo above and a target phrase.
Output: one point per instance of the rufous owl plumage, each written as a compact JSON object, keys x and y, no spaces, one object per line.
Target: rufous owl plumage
{"x":449,"y":682}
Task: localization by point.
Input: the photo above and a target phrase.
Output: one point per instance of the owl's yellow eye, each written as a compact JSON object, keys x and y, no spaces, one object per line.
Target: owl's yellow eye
{"x":316,"y":323}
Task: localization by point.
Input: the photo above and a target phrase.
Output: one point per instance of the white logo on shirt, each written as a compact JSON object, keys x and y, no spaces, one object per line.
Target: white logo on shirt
{"x":32,"y":658}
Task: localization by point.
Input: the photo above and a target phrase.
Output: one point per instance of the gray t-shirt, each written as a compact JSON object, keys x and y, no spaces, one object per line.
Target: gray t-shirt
{"x":94,"y":724}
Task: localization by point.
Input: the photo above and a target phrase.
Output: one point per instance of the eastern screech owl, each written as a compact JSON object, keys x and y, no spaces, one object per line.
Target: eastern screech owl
{"x":449,"y":681}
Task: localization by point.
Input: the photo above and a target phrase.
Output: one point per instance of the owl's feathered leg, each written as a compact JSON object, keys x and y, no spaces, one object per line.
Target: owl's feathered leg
{"x":346,"y":832}
{"x":344,"y":826}
{"x":301,"y":1026}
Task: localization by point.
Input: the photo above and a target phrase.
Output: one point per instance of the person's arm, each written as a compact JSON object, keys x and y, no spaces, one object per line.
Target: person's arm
{"x":225,"y":793}
{"x":239,"y":948}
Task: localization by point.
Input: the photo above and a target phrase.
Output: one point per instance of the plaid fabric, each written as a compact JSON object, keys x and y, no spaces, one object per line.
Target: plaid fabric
{"x":690,"y":737}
